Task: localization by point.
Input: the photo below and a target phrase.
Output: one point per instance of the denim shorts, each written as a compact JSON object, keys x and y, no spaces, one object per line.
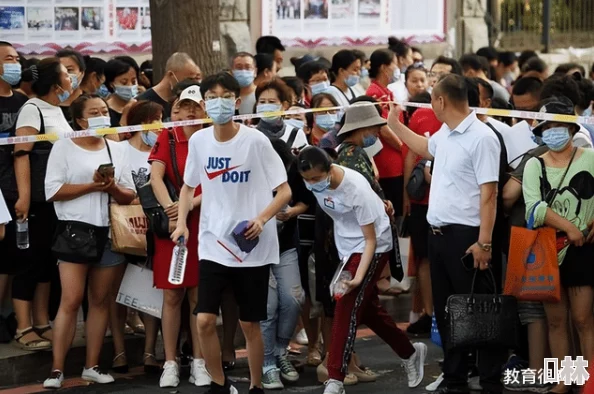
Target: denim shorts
{"x":109,"y":258}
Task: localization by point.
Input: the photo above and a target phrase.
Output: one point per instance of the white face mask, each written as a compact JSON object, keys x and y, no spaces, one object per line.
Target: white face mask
{"x":99,"y":122}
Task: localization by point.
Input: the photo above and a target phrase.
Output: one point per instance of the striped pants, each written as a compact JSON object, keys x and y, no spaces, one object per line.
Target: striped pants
{"x":362,"y":306}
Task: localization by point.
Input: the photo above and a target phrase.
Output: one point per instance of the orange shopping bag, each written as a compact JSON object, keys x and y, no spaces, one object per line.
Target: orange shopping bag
{"x":532,"y":266}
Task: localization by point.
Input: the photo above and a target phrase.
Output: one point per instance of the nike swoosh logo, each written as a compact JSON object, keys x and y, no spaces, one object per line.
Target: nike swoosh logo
{"x":213,"y":175}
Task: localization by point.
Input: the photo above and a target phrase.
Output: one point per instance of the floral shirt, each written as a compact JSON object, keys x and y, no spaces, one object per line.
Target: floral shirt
{"x":354,"y":157}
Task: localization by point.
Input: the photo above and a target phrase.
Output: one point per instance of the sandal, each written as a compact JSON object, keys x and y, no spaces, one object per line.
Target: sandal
{"x":33,"y":344}
{"x":120,"y":368}
{"x":151,"y":369}
{"x":42,"y":331}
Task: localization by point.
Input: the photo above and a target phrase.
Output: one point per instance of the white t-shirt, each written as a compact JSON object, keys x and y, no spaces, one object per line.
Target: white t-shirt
{"x":138,"y":162}
{"x":300,"y":139}
{"x":70,"y":164}
{"x":237,"y":178}
{"x":53,"y":117}
{"x":399,"y":90}
{"x":582,"y":138}
{"x":341,"y":97}
{"x":351,"y":205}
{"x":518,"y":140}
{"x":4,"y":214}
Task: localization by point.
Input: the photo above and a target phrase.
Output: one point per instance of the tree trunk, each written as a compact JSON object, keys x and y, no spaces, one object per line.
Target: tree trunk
{"x":189,"y":26}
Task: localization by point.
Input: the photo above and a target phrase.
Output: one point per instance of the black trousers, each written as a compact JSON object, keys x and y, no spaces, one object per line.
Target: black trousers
{"x":449,"y":276}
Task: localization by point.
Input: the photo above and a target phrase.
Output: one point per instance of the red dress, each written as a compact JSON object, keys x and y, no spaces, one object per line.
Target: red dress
{"x":164,"y":247}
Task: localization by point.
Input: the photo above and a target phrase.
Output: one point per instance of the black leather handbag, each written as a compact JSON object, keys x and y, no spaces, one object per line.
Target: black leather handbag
{"x":78,"y":242}
{"x":482,"y":320}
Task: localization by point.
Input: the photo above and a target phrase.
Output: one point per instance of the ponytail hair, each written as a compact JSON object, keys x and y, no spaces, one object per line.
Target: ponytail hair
{"x":44,"y":76}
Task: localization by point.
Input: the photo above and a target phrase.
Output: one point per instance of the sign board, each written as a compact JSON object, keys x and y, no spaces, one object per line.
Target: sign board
{"x":90,"y":26}
{"x":137,"y":291}
{"x":313,"y":23}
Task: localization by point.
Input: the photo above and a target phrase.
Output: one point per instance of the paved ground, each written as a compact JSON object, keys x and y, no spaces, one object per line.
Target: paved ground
{"x":374,"y":354}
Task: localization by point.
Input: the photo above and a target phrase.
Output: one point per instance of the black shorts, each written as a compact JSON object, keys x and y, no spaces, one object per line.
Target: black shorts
{"x":249,"y":285}
{"x":419,"y":230}
{"x":577,"y":269}
{"x":393,"y":190}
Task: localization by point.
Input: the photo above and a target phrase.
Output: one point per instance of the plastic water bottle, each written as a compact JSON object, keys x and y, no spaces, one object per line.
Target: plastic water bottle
{"x":177,"y":269}
{"x":340,"y":288}
{"x":22,"y":234}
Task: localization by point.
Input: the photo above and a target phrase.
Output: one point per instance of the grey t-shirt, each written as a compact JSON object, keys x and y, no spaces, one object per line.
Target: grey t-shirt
{"x":247,"y":104}
{"x":499,"y":91}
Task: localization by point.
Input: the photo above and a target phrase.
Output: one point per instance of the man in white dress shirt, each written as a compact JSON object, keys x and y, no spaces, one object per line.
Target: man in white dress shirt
{"x":462,"y":209}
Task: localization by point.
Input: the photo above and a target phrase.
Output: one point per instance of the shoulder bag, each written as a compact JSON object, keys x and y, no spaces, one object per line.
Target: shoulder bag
{"x":158,"y":221}
{"x":533,"y":268}
{"x":482,"y":320}
{"x":416,"y":186}
{"x":79,"y":242}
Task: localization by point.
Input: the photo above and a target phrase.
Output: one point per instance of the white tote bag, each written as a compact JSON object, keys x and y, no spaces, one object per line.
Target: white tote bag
{"x":137,"y":291}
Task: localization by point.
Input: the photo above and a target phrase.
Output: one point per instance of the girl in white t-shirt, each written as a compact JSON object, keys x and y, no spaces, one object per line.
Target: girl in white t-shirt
{"x":41,"y":115}
{"x":138,"y":148}
{"x":363,"y":239}
{"x":81,"y":193}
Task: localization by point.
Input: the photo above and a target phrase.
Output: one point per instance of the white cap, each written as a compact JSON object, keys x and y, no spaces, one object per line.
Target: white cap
{"x":191,"y":93}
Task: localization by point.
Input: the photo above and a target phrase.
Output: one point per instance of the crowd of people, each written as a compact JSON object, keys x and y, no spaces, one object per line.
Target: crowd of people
{"x":291,"y":221}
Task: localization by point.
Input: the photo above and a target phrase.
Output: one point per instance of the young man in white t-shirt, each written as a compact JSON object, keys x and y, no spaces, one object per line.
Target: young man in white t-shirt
{"x":238,"y":171}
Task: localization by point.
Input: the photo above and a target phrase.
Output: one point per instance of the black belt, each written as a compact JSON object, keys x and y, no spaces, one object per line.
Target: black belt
{"x":450,"y":228}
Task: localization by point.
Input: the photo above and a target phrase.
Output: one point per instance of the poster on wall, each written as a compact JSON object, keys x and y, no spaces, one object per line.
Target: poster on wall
{"x":42,"y":27}
{"x":313,"y":23}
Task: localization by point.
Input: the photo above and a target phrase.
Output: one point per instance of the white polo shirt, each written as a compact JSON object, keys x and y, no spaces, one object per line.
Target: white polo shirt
{"x":465,"y":158}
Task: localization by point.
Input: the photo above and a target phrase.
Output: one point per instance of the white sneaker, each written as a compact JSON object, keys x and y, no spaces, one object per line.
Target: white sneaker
{"x":198,"y":374}
{"x":435,"y":385}
{"x":170,"y":375}
{"x":54,"y":381}
{"x":415,"y":365}
{"x":95,"y":375}
{"x":334,"y":387}
{"x":301,"y":338}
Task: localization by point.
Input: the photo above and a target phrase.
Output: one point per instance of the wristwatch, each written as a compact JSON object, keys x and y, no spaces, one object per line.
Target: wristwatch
{"x":485,"y":247}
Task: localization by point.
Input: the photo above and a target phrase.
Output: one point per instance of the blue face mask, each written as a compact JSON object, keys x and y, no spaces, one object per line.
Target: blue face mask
{"x":126,"y":92}
{"x":99,"y":122}
{"x":149,"y":138}
{"x":326,"y":121}
{"x":65,"y":95}
{"x":74,"y":80}
{"x":369,"y":140}
{"x":588,"y":112}
{"x":364,"y":73}
{"x":261,"y":108}
{"x":537,"y":140}
{"x":102,"y":91}
{"x":298,"y":123}
{"x":556,"y":138}
{"x":220,"y":110}
{"x":352,"y":80}
{"x":319,"y":87}
{"x":11,"y":74}
{"x":244,"y":77}
{"x":320,"y":186}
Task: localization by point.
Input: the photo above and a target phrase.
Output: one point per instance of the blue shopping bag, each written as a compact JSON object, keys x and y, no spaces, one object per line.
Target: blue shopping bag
{"x":435,"y":337}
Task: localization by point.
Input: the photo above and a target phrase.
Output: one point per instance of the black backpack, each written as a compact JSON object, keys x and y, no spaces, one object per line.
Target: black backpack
{"x":416,"y":186}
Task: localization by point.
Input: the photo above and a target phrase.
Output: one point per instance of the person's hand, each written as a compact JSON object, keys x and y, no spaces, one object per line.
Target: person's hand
{"x":481,"y":256}
{"x":21,"y":208}
{"x":172,"y":225}
{"x":394,"y":114}
{"x":389,"y":208}
{"x":590,"y":238}
{"x":285,"y":215}
{"x":575,"y":236}
{"x":172,"y":211}
{"x":405,"y":205}
{"x":180,"y":231}
{"x":254,"y":229}
{"x":103,"y":186}
{"x":352,"y":284}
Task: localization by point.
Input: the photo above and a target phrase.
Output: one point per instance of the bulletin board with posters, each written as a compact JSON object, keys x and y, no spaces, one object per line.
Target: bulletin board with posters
{"x":91,"y":26}
{"x":314,"y":23}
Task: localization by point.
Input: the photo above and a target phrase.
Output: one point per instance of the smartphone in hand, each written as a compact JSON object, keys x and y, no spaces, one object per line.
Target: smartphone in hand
{"x":106,"y":170}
